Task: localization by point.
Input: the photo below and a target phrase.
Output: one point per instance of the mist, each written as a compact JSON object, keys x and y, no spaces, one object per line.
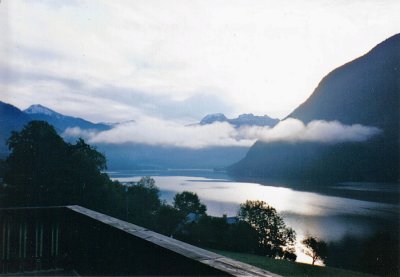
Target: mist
{"x":153,"y":131}
{"x":294,"y":130}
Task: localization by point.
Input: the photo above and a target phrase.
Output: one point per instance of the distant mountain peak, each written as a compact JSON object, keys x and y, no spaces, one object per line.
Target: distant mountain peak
{"x":39,"y":109}
{"x":246,"y":115}
{"x":247,"y":119}
{"x":215,"y":117}
{"x":62,"y":122}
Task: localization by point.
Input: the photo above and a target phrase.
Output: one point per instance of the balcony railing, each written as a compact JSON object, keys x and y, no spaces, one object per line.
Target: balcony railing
{"x":76,"y":240}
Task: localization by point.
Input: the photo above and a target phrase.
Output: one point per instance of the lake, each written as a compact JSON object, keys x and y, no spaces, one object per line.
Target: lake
{"x":331,"y":212}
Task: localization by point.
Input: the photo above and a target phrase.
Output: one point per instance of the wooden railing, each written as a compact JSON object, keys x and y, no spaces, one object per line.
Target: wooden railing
{"x":85,"y":242}
{"x":30,"y":240}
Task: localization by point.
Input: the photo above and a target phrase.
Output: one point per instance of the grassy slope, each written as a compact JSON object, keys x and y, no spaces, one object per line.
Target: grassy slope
{"x":287,"y":268}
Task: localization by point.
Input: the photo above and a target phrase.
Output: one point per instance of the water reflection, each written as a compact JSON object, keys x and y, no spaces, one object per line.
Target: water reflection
{"x":330,"y":218}
{"x":285,"y":200}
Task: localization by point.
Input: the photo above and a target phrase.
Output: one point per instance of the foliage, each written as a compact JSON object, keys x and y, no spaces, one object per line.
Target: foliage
{"x":241,"y":237}
{"x":215,"y":232}
{"x":316,"y":249}
{"x":42,"y":169}
{"x":34,"y":167}
{"x":2,"y":168}
{"x":260,"y":230}
{"x":208,"y":232}
{"x":167,"y":220}
{"x":275,"y":239}
{"x":143,"y":201}
{"x":380,"y":254}
{"x":188,"y":202}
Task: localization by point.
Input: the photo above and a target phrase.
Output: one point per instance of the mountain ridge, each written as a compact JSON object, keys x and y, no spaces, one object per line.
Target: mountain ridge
{"x":14,"y":119}
{"x":60,"y":121}
{"x":364,"y":91}
{"x":39,"y":109}
{"x":246,"y":119}
{"x":124,"y":156}
{"x":389,"y":64}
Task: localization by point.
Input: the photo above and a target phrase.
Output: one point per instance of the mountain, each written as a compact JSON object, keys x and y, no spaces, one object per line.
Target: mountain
{"x":39,"y":109}
{"x":242,"y":120}
{"x":62,"y":122}
{"x":252,"y":120}
{"x":124,"y":156}
{"x":211,"y":118}
{"x":365,"y":91}
{"x":13,"y":119}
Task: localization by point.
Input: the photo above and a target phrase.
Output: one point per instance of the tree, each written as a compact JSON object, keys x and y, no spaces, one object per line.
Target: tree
{"x":380,"y":253}
{"x":42,"y":169}
{"x":208,"y":231}
{"x":316,"y":249}
{"x":241,"y":237}
{"x":274,"y":238}
{"x":143,"y":202}
{"x":188,"y":202}
{"x":167,"y":220}
{"x":85,"y":166}
{"x":35,"y":167}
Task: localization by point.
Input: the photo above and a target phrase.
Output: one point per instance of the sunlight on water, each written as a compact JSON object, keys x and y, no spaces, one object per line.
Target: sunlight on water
{"x":327,"y":217}
{"x":230,"y":194}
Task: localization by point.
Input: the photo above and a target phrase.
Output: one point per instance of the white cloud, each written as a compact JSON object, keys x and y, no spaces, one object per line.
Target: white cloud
{"x":294,"y":130}
{"x":154,"y":131}
{"x":74,"y":132}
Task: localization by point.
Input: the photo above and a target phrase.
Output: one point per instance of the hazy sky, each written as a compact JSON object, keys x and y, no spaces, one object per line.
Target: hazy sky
{"x":179,"y":60}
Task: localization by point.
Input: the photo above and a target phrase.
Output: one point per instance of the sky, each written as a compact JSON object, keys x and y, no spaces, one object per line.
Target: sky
{"x":180,"y":60}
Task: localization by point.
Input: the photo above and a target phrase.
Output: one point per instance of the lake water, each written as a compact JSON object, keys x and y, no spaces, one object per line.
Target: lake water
{"x":329,"y":212}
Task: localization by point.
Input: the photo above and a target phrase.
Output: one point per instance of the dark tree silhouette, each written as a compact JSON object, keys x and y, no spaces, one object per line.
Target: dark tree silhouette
{"x":143,"y":202}
{"x":188,"y":202}
{"x":316,"y":249}
{"x":275,"y":239}
{"x":381,"y":254}
{"x":241,"y":237}
{"x":167,"y":220}
{"x":42,"y":169}
{"x":35,"y":168}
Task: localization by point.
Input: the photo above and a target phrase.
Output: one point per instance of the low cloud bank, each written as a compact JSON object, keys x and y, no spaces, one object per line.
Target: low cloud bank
{"x":154,"y":131}
{"x":293,"y":130}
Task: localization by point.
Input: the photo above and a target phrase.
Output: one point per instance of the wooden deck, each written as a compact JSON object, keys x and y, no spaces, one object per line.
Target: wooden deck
{"x":232,"y":267}
{"x":92,"y":243}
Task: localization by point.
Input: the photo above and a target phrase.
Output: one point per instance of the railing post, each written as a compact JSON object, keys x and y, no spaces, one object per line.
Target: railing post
{"x":57,"y":232}
{"x":24,"y":246}
{"x":8,"y":247}
{"x":3,"y":252}
{"x":52,"y":240}
{"x":20,"y":241}
{"x":5,"y":247}
{"x":54,"y":244}
{"x":30,"y":240}
{"x":39,"y":245}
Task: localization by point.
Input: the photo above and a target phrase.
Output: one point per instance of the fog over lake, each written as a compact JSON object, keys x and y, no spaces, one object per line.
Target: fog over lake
{"x":329,"y":214}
